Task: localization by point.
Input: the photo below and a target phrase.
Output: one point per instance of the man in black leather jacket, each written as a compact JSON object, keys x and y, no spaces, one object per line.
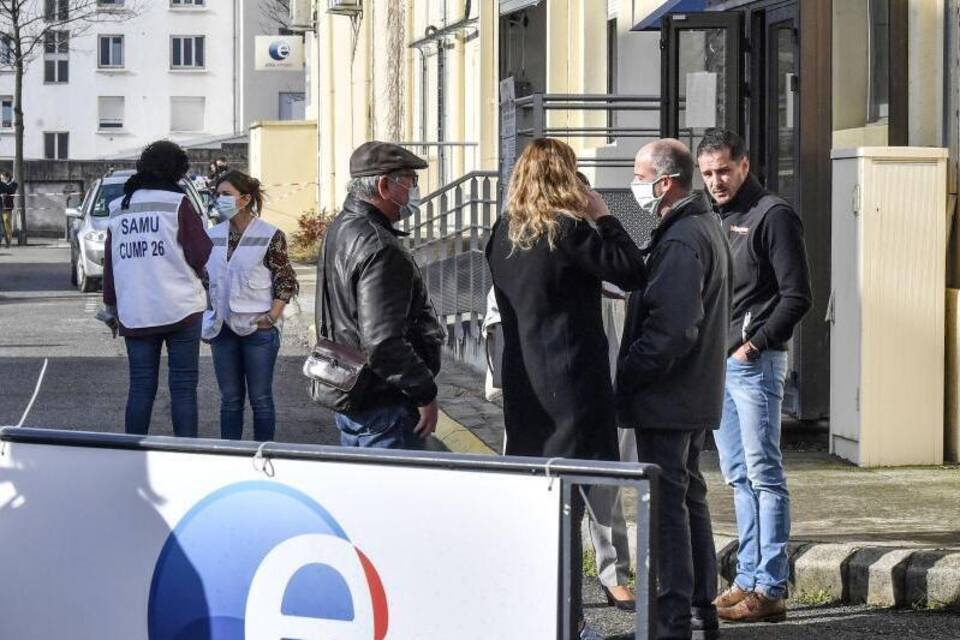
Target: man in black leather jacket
{"x":379,"y":304}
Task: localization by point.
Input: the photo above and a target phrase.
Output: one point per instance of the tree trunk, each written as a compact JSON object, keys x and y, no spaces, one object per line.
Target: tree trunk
{"x":18,"y":168}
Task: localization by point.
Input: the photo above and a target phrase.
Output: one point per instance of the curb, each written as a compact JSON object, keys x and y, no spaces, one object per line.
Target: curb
{"x":459,"y":439}
{"x":820,"y":573}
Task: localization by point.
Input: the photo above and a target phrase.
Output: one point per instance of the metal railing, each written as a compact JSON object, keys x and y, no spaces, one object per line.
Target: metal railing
{"x":447,"y":238}
{"x":442,"y":158}
{"x":534,"y":110}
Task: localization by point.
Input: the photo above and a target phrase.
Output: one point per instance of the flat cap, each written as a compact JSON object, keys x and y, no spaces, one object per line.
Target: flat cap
{"x":377,"y":158}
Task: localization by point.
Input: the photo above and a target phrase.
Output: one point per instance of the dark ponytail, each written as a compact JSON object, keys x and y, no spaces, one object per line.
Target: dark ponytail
{"x":162,"y":165}
{"x":247,"y":186}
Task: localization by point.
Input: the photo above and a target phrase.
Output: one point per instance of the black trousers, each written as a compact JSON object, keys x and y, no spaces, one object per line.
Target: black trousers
{"x":687,"y":561}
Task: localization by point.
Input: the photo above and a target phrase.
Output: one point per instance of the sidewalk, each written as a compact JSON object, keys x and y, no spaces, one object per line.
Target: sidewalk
{"x":886,"y":537}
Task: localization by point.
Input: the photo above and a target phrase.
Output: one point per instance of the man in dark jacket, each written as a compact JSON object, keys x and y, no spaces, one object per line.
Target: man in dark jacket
{"x":771,"y":293}
{"x":670,"y":377}
{"x":379,"y":304}
{"x":8,"y":189}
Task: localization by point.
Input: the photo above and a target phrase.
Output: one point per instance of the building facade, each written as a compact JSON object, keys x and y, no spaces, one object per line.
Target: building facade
{"x":179,"y":69}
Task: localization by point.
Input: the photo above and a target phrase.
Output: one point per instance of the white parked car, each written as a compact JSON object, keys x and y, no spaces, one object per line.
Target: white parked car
{"x":87,"y":226}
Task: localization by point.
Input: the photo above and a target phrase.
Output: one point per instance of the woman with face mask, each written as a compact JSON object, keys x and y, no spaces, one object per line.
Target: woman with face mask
{"x":251,"y":282}
{"x":548,"y":264}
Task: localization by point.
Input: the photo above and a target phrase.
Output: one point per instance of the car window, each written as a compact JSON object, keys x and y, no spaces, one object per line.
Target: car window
{"x":105,"y":195}
{"x":87,"y":197}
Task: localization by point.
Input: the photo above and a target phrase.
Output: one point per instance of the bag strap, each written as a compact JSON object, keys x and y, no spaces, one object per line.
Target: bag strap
{"x":325,"y":296}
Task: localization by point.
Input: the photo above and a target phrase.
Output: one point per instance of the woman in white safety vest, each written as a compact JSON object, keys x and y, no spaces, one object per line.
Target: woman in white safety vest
{"x":251,"y":281}
{"x":153,"y":290}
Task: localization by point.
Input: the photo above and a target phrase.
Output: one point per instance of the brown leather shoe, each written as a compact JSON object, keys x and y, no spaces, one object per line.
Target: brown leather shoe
{"x":731,"y":597}
{"x":755,"y":608}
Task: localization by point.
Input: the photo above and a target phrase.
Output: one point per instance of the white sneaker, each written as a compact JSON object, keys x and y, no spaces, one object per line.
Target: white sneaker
{"x":588,"y":633}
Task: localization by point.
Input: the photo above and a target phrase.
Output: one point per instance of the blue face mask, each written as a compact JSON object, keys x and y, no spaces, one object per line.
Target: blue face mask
{"x":227,"y":207}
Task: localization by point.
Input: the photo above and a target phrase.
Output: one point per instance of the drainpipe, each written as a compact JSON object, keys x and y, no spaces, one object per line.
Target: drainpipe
{"x":236,"y":64}
{"x":441,"y":108}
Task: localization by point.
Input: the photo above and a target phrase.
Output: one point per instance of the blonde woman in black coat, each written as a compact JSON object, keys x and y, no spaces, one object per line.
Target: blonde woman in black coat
{"x":548,"y":263}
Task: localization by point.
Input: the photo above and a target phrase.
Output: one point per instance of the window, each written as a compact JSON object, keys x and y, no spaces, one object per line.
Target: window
{"x":56,"y":63}
{"x":110,"y":110}
{"x":187,"y":52}
{"x":6,"y":50}
{"x":186,"y":114}
{"x":187,"y":3}
{"x":56,"y":10}
{"x":109,"y":4}
{"x":6,"y":112}
{"x":56,"y":42}
{"x":111,"y":52}
{"x":56,"y":146}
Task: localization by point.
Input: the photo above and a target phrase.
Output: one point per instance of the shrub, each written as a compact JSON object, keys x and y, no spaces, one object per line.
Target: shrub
{"x":306,"y":240}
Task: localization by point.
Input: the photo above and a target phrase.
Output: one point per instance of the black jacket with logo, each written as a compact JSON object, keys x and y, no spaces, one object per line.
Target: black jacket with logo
{"x":379,"y":305}
{"x":673,"y":357}
{"x":771,"y":277}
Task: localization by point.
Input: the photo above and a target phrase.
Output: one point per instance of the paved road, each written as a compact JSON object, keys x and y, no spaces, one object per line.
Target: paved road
{"x":85,"y":387}
{"x":804,"y":623}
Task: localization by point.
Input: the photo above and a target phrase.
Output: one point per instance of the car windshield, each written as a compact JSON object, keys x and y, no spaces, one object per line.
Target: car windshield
{"x":108,"y":193}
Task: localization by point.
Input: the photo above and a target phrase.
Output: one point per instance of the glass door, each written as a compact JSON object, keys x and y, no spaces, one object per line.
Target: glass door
{"x":701,"y":74}
{"x":782,"y":99}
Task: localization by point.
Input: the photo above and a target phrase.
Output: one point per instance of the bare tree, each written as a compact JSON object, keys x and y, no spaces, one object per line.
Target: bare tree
{"x":276,"y":14}
{"x":31,"y":27}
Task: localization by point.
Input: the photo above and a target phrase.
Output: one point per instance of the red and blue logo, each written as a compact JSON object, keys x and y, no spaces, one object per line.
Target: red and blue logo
{"x":263,"y":561}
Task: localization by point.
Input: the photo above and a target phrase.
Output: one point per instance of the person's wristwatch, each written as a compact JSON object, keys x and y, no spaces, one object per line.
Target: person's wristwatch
{"x":752,"y":353}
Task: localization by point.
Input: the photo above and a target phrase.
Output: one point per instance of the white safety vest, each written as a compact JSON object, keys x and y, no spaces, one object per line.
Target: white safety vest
{"x":241,"y":288}
{"x":155,"y":286}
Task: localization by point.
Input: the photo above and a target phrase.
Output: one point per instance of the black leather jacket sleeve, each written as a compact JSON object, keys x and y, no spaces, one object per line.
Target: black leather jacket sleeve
{"x":385,"y":291}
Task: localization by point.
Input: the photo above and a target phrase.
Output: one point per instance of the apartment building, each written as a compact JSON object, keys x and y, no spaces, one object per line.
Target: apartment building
{"x":180,"y":69}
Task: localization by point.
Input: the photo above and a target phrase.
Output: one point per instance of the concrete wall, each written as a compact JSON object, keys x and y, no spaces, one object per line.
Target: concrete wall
{"x":277,"y":153}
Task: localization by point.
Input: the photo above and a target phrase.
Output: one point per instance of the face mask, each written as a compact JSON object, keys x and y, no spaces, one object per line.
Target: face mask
{"x":227,"y":206}
{"x":412,"y":207}
{"x":643,"y":193}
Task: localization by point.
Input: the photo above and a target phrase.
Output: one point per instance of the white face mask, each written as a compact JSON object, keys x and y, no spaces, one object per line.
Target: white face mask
{"x":412,"y":206}
{"x":643,"y":193}
{"x":227,"y":206}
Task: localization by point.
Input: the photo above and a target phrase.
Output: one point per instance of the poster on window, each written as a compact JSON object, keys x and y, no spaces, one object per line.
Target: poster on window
{"x":701,"y":100}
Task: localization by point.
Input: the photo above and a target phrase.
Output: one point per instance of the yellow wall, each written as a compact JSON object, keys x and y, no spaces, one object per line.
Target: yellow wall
{"x":280,"y":157}
{"x":358,"y":89}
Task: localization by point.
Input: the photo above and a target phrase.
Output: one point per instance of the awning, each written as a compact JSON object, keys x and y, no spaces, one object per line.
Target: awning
{"x":652,"y":21}
{"x":512,"y":6}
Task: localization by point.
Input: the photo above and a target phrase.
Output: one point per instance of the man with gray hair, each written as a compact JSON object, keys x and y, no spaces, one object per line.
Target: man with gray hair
{"x":670,"y":377}
{"x":374,"y":301}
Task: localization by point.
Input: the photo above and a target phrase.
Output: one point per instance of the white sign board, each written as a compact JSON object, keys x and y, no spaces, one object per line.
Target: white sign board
{"x":701,"y":100}
{"x":279,"y":53}
{"x":111,"y":543}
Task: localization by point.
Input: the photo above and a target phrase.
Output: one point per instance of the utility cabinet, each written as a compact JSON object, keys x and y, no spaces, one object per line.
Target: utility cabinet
{"x":889,"y":233}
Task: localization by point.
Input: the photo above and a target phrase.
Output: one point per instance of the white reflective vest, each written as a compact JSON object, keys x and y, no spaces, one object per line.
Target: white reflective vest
{"x":241,"y":288}
{"x":154,"y":283}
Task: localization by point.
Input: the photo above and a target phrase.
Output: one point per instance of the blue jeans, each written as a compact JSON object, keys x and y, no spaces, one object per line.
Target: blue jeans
{"x":382,"y":428}
{"x":748,"y":442}
{"x":244,"y":366}
{"x":183,"y":358}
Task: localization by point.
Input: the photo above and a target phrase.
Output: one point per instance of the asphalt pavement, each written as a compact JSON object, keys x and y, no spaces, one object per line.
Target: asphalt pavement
{"x":42,"y":317}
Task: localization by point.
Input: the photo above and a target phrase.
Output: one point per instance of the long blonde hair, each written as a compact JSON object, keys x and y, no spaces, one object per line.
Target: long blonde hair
{"x":544,"y":186}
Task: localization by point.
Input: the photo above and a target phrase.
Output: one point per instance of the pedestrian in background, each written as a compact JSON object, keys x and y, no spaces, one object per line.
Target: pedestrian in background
{"x":548,"y":265}
{"x":771,"y":293}
{"x":372,"y":300}
{"x":251,"y":282}
{"x":154,"y":259}
{"x":8,"y":193}
{"x":670,"y":377}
